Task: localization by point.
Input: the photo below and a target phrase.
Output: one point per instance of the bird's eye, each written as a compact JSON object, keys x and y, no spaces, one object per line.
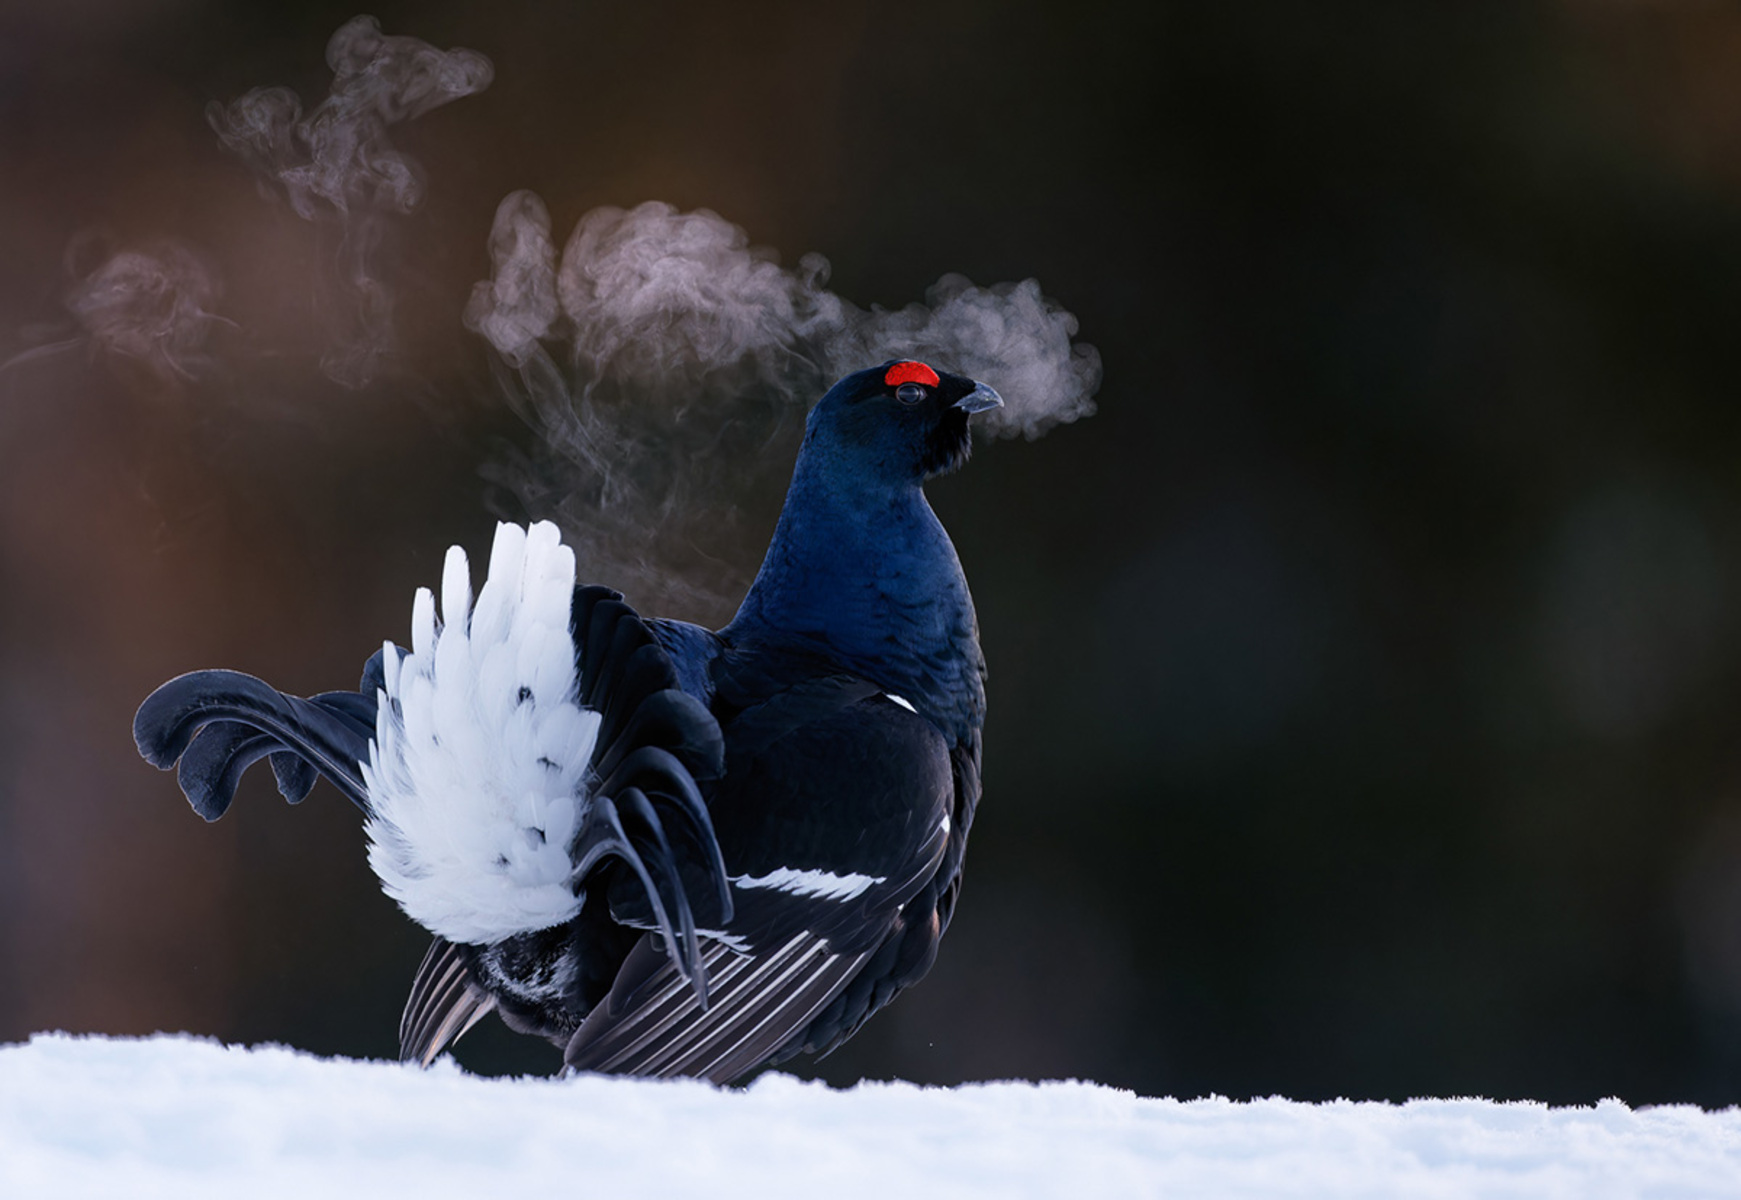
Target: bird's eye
{"x":910,"y":393}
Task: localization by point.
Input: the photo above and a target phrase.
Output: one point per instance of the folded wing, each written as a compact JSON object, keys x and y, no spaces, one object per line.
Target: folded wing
{"x":834,"y":814}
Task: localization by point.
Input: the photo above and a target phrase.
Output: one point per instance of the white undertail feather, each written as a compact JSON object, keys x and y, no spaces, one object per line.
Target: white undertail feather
{"x":477,"y":775}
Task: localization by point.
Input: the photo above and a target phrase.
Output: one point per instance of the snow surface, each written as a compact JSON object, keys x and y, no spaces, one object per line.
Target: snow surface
{"x":177,"y":1116}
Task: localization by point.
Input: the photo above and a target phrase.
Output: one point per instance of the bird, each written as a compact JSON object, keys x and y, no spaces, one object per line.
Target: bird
{"x":668,"y":850}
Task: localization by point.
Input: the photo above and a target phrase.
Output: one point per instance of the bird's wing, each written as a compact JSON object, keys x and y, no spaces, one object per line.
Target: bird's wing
{"x":907,"y":955}
{"x":833,"y":815}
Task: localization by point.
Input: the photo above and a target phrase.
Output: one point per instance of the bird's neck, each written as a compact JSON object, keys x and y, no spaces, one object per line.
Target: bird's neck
{"x":864,"y":570}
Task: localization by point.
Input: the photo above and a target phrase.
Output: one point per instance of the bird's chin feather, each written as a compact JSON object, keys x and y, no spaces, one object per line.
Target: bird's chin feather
{"x":949,"y":447}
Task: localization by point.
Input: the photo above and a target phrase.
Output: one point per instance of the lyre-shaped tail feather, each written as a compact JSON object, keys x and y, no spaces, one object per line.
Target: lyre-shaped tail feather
{"x":655,"y":743}
{"x":217,"y":724}
{"x":501,"y":761}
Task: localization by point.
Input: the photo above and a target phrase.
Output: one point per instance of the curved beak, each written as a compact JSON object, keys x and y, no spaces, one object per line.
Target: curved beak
{"x":979,"y":399}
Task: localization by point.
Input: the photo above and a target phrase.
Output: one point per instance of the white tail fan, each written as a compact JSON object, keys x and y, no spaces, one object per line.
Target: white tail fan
{"x":477,"y":776}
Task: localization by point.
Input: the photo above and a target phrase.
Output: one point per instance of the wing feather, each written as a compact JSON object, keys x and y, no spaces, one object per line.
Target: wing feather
{"x":757,"y":1003}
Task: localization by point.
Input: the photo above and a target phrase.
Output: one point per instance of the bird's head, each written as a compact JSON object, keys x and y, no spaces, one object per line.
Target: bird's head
{"x":899,"y":423}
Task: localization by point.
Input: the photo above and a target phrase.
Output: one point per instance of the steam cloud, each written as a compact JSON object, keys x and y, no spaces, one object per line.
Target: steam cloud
{"x":664,"y":353}
{"x":660,"y":357}
{"x":655,"y":297}
{"x":337,"y":163}
{"x":150,"y":304}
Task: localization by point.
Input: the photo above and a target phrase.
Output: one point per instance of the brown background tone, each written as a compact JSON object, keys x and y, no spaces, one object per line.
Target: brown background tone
{"x":1366,"y":698}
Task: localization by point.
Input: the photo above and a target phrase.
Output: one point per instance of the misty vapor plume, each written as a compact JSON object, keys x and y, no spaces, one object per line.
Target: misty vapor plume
{"x":148,"y":303}
{"x":663,"y":362}
{"x":662,"y":355}
{"x":336,"y":164}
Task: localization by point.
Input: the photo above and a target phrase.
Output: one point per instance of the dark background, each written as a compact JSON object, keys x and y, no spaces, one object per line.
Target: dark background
{"x":1365,"y":679}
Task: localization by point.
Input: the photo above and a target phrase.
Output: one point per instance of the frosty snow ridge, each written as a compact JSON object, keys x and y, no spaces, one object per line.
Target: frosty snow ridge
{"x":176,"y":1116}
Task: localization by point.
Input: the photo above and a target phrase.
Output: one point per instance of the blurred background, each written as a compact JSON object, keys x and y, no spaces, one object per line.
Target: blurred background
{"x":1365,"y":675}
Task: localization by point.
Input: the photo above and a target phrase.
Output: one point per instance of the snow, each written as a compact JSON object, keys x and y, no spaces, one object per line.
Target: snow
{"x":177,"y":1116}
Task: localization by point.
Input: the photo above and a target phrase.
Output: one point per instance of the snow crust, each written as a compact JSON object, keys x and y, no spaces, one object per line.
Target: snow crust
{"x":177,"y":1116}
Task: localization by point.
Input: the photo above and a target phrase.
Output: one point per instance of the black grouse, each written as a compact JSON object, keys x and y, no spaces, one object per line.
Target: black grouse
{"x":668,"y":850}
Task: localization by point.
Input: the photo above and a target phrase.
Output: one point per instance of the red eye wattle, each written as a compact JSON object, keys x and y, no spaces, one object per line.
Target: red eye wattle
{"x":910,"y":372}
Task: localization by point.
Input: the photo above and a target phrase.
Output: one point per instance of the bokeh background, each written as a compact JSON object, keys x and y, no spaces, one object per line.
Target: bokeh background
{"x":1366,"y":674}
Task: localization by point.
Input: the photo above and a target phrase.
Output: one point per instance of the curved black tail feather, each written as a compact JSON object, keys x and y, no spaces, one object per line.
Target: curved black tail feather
{"x":217,"y":724}
{"x":655,"y":743}
{"x":646,"y":844}
{"x":653,"y":738}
